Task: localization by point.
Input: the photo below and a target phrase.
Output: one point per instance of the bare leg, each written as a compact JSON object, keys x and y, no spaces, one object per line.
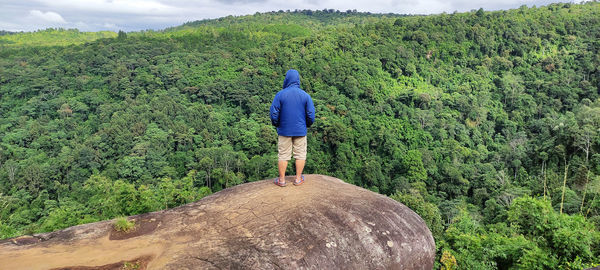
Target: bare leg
{"x":282,"y":165}
{"x":299,"y":168}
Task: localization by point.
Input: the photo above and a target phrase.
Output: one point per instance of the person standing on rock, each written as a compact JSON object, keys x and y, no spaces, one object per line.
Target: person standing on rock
{"x":292,"y":111}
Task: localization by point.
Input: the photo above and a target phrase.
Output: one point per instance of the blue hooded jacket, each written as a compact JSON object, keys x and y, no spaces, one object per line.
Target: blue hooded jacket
{"x":292,"y":110}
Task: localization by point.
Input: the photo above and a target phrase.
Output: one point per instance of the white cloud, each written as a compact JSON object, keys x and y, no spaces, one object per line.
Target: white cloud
{"x":49,"y":16}
{"x":140,"y":7}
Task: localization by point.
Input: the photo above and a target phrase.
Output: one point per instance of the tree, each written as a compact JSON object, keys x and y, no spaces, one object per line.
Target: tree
{"x":207,"y":164}
{"x":11,"y":168}
{"x":428,"y":211}
{"x":121,"y":35}
{"x":584,"y":139}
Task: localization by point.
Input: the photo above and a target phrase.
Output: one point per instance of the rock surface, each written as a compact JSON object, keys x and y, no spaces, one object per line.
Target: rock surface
{"x":322,"y":224}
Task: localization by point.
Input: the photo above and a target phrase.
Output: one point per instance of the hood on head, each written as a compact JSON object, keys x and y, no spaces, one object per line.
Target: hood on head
{"x":292,"y":78}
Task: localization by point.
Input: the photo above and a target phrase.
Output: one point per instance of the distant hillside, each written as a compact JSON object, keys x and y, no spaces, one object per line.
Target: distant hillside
{"x":3,"y":33}
{"x":487,"y":124}
{"x":307,"y":18}
{"x":51,"y":37}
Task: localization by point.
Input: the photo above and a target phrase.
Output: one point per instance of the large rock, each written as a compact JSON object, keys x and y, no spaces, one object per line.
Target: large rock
{"x":322,"y":224}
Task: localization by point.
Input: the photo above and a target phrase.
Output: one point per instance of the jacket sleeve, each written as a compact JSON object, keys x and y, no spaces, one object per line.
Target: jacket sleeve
{"x":274,"y":111}
{"x":310,"y":112}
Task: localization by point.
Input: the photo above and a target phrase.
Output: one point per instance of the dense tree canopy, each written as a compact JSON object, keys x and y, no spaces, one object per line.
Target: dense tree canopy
{"x":487,"y":124}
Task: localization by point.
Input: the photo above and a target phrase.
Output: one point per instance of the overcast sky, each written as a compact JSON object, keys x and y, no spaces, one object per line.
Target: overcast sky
{"x":132,"y":15}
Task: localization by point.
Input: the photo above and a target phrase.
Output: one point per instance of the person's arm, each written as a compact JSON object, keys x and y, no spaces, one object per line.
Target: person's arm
{"x":310,"y":112}
{"x":275,"y":107}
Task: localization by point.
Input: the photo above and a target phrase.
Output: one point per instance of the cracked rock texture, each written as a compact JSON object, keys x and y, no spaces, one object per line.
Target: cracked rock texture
{"x":322,"y":224}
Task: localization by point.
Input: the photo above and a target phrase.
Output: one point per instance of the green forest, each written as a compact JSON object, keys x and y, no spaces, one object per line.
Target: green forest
{"x":487,"y":124}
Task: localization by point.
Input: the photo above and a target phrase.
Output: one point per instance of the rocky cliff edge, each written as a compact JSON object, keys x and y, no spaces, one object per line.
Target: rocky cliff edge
{"x":322,"y":224}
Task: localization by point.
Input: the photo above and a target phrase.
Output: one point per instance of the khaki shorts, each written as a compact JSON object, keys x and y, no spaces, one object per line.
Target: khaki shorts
{"x":285,"y":145}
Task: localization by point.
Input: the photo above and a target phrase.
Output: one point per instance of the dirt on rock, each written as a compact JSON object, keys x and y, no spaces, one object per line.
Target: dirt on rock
{"x":135,"y":264}
{"x":321,"y":224}
{"x":25,"y":240}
